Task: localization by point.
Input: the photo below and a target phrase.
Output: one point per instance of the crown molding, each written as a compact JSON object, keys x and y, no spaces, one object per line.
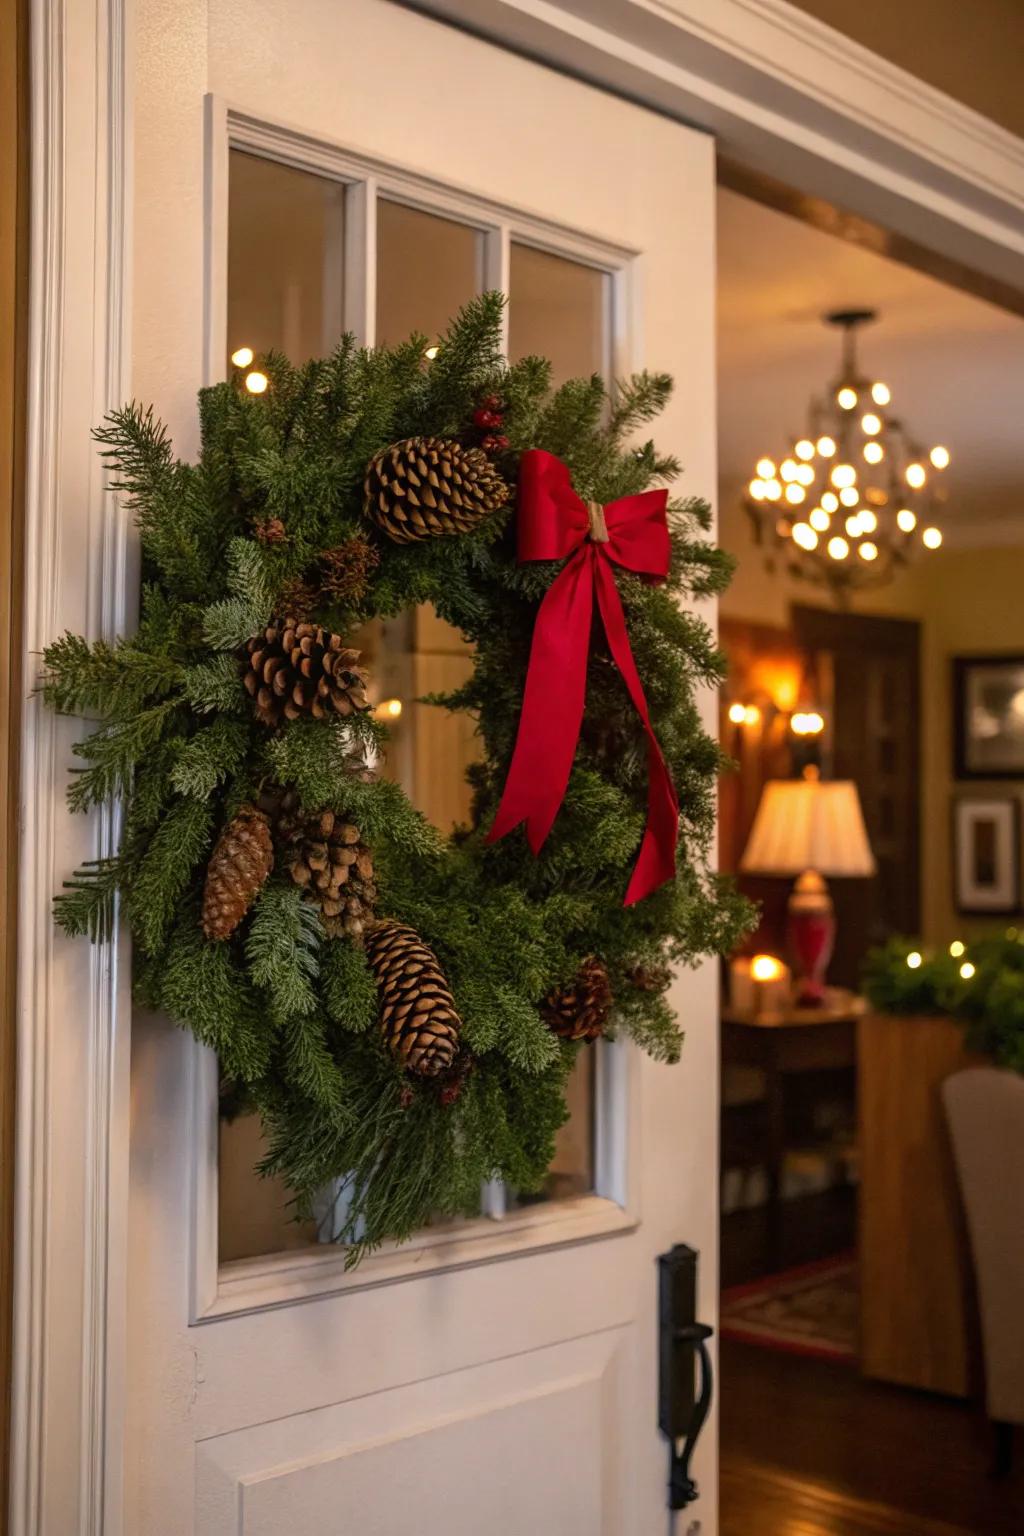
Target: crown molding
{"x":790,"y":97}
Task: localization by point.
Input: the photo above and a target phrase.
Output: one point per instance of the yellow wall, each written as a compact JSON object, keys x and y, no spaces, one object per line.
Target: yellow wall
{"x":967,"y":600}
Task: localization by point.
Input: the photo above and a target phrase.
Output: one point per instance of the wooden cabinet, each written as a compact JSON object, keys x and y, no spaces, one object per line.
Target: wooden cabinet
{"x":913,"y":1248}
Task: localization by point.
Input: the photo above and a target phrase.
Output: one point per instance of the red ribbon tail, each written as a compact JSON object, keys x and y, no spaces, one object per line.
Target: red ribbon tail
{"x":552,"y":713}
{"x":656,"y":862}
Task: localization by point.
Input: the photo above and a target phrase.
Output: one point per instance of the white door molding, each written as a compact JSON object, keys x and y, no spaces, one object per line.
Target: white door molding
{"x":782,"y":94}
{"x":792,"y":98}
{"x":73,"y":999}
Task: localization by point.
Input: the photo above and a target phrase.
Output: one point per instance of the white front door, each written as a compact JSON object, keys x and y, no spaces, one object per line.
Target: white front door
{"x":500,"y":1376}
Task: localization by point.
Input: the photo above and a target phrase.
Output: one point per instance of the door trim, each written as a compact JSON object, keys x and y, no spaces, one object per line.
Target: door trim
{"x":783,"y":94}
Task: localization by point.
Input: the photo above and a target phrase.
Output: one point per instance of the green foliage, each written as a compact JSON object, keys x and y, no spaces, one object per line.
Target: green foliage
{"x":292,"y":1014}
{"x":989,"y":1000}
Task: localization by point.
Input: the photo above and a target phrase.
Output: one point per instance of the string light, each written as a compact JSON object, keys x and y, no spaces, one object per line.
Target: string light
{"x":826,"y":446}
{"x":772,"y":490}
{"x":914,"y":960}
{"x":388,"y":709}
{"x":854,"y":526}
{"x":849,"y":496}
{"x":906,"y":521}
{"x":805,"y":474}
{"x":957,"y":948}
{"x":795,"y":494}
{"x":819,"y":520}
{"x":838,"y":548}
{"x":788,"y":469}
{"x":940,"y":457}
{"x":431,"y":352}
{"x":847,"y":399}
{"x":737,"y":713}
{"x":867,"y":550}
{"x":931,"y":538}
{"x":874,"y":452}
{"x":880,"y":394}
{"x":843,"y":475}
{"x":967,"y":970}
{"x":868,"y":520}
{"x":756,"y":489}
{"x":805,"y":536}
{"x":256,"y":382}
{"x":915,"y":475}
{"x":871,"y":423}
{"x":766,"y":469}
{"x":804,"y":449}
{"x":243,"y":357}
{"x":830,"y":501}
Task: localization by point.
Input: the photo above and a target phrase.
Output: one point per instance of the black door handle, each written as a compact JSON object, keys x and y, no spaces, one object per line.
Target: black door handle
{"x":683,"y":1403}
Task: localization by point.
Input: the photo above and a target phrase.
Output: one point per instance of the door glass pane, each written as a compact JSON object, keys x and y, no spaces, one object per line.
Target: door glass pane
{"x":559,"y":309}
{"x":286,"y":240}
{"x":427,"y":268}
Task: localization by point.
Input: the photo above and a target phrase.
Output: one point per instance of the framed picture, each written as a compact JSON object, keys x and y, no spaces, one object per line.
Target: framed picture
{"x":988,"y":726}
{"x":986,"y":855}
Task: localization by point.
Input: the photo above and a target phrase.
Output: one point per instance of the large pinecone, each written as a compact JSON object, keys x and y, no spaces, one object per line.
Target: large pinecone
{"x":294,"y":669}
{"x":427,"y":486}
{"x":579,"y":1010}
{"x":241,"y":861}
{"x":326,"y":855}
{"x":417,"y":1011}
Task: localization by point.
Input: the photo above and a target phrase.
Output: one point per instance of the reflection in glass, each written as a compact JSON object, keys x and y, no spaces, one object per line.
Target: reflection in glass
{"x":559,"y":309}
{"x":286,"y":233}
{"x":427,"y":269}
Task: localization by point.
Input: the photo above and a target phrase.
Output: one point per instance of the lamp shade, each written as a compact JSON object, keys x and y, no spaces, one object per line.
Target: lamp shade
{"x":808,"y":824}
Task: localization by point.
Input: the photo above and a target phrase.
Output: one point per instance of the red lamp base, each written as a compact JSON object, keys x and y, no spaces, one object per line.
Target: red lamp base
{"x":812,"y":932}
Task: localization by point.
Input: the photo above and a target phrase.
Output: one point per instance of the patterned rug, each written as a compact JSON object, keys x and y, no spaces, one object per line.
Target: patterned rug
{"x":813,"y":1310}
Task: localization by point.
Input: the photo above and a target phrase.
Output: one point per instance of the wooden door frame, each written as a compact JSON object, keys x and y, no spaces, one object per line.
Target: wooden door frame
{"x":780,"y":92}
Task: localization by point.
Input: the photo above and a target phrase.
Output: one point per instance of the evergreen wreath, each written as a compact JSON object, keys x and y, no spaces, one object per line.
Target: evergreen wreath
{"x":401,"y":1007}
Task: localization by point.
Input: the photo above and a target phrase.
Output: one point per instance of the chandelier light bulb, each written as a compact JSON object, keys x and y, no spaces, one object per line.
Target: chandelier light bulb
{"x":788,"y":469}
{"x":940,"y":457}
{"x":804,"y":449}
{"x":871,"y":423}
{"x":256,"y":382}
{"x":844,"y":475}
{"x":846,"y":399}
{"x":880,"y":393}
{"x":819,"y":520}
{"x":766,"y":469}
{"x":826,"y":446}
{"x":805,"y":474}
{"x":849,"y":496}
{"x":906,"y":521}
{"x":853,"y":525}
{"x":772,"y":490}
{"x":867,"y":550}
{"x":874,"y":452}
{"x":915,"y":475}
{"x":756,"y":489}
{"x":243,"y":357}
{"x":805,"y":536}
{"x":830,"y":501}
{"x":868,"y":520}
{"x":795,"y":494}
{"x":931,"y":538}
{"x":737,"y":713}
{"x":838,"y":548}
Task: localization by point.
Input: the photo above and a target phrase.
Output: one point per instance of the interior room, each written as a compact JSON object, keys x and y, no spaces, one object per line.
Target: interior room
{"x":874,"y":646}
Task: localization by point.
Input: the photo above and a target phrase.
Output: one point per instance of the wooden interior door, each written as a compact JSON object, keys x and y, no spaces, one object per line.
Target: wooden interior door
{"x":499,"y":1376}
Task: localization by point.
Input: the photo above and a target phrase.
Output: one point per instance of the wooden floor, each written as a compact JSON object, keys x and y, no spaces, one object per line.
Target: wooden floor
{"x":810,"y":1448}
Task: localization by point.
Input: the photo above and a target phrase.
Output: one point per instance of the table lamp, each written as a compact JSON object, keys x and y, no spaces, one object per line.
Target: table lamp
{"x":809,"y":828}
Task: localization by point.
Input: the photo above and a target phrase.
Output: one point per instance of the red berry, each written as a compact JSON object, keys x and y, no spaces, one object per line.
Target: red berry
{"x":492,"y":403}
{"x":486,"y":419}
{"x":493,"y":443}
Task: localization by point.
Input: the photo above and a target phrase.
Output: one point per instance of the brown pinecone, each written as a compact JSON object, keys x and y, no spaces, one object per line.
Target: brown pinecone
{"x":270,"y":530}
{"x":417,"y":1011}
{"x":424,"y":487}
{"x":326,"y":855}
{"x":294,"y":669}
{"x":579,"y":1010}
{"x":298,"y":596}
{"x":345,"y":570}
{"x":650,"y":978}
{"x":240,"y":863}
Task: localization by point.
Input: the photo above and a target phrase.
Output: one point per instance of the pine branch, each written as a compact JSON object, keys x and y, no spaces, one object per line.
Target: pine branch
{"x":89,"y":905}
{"x":282,"y":950}
{"x":113,"y":753}
{"x":165,"y":871}
{"x":209,"y":757}
{"x":107,"y":679}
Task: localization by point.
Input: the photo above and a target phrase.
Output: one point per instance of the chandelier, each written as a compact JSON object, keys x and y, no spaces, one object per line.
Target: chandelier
{"x":857,"y":494}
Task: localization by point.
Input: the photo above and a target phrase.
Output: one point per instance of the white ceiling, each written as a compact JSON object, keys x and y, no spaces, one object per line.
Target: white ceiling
{"x":955,"y":364}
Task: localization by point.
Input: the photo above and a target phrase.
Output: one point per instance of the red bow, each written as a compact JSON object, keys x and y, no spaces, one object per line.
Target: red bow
{"x":554,"y":523}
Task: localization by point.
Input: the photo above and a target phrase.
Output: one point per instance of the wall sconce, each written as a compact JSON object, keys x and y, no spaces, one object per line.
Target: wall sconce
{"x":807,"y":723}
{"x":744,"y":714}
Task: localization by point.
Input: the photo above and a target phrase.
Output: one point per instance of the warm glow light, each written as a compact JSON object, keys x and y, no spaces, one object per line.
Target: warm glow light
{"x":830,"y":501}
{"x":737,"y":713}
{"x":847,"y":398}
{"x":854,"y":526}
{"x":772,"y":490}
{"x":431,"y":352}
{"x":914,"y":960}
{"x":807,"y":723}
{"x":838,"y":548}
{"x":766,"y":469}
{"x":881,"y":394}
{"x":756,"y":489}
{"x":915,"y":475}
{"x":788,"y":469}
{"x":967,"y":970}
{"x":804,"y":449}
{"x":957,"y":948}
{"x":940,"y":457}
{"x":243,"y":357}
{"x":765,"y":968}
{"x":906,"y":521}
{"x":795,"y":494}
{"x":783,"y":529}
{"x":819,"y":519}
{"x":843,"y":475}
{"x":751,"y":714}
{"x":871,"y":423}
{"x":867,"y":550}
{"x":826,"y":446}
{"x":931,"y":538}
{"x":388,"y":709}
{"x":805,"y":536}
{"x":256,"y":382}
{"x":805,"y":474}
{"x":874,"y":453}
{"x":868,"y":520}
{"x":849,"y":496}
